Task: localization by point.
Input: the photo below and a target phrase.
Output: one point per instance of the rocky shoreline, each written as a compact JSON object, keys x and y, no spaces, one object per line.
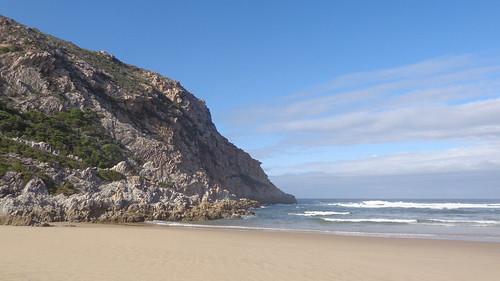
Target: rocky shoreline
{"x":129,"y":199}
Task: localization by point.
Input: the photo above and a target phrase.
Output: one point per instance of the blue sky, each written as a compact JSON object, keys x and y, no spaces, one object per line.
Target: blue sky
{"x":336,"y":95}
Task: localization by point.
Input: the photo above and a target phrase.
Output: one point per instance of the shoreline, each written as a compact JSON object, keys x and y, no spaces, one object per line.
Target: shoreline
{"x":198,"y":226}
{"x":249,"y":231}
{"x":291,"y":230}
{"x":263,"y":230}
{"x":425,"y":236}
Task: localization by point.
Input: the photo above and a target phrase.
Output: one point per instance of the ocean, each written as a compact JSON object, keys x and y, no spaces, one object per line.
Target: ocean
{"x":474,"y":220}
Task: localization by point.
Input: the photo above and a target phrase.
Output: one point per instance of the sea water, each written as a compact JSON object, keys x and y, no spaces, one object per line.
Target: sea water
{"x":475,"y":220}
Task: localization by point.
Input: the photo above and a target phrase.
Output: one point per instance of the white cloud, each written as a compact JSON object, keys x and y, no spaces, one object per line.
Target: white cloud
{"x":485,"y":157}
{"x":448,"y":101}
{"x":451,"y":97}
{"x":472,"y":120}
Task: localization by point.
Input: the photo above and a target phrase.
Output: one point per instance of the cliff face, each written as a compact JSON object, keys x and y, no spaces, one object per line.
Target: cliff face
{"x":140,"y":143}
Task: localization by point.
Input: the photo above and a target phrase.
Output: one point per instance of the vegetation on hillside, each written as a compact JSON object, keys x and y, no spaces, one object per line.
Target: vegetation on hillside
{"x":8,"y":48}
{"x":110,"y":175}
{"x":66,"y":188}
{"x":21,"y":149}
{"x":74,"y":132}
{"x":28,"y":172}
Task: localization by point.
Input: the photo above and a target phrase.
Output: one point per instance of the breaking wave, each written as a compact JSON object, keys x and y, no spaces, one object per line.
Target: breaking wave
{"x":447,"y":222}
{"x":400,"y":204}
{"x":488,"y":222}
{"x":376,"y":220}
{"x":318,"y":213}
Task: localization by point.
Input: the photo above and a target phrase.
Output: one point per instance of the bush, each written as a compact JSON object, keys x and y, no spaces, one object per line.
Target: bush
{"x":167,"y":184}
{"x":66,"y":189}
{"x":14,"y":165}
{"x":110,"y":175}
{"x":4,"y":168}
{"x":10,"y":164}
{"x":74,"y":132}
{"x":10,"y":146}
{"x":8,"y":49}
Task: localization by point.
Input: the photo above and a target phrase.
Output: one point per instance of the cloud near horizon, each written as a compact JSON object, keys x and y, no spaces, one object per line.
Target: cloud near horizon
{"x":464,"y":159}
{"x":453,"y":100}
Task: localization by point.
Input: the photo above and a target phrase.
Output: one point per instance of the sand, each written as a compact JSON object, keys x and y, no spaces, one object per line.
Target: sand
{"x":104,"y":252}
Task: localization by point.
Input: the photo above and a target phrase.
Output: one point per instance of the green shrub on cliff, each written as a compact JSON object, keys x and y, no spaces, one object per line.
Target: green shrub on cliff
{"x":7,"y":49}
{"x":74,"y":132}
{"x":27,"y":172}
{"x":110,"y":175}
{"x":66,"y":189}
{"x":11,"y":146}
{"x":7,"y":164}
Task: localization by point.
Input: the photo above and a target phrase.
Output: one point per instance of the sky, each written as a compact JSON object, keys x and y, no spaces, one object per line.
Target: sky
{"x":337,"y":99}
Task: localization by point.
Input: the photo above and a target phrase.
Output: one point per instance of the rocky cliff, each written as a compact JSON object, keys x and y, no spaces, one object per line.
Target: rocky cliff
{"x":86,"y":137}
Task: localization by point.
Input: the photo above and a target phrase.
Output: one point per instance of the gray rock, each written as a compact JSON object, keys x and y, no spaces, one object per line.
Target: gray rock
{"x":11,"y":184}
{"x":177,"y":164}
{"x":124,"y":167}
{"x":35,"y":186}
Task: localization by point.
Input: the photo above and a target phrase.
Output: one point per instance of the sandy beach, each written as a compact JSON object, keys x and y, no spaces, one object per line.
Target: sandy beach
{"x":110,"y":252}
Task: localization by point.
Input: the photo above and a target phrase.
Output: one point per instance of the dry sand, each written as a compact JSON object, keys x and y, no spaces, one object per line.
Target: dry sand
{"x":103,"y":252}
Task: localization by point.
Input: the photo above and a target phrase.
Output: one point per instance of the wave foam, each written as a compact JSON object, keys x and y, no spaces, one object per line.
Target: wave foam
{"x":318,"y":213}
{"x":489,"y":222}
{"x":401,"y":204}
{"x":376,"y":220}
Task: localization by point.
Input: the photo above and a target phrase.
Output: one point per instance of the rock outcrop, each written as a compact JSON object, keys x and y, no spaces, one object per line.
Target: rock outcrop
{"x":142,"y":147}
